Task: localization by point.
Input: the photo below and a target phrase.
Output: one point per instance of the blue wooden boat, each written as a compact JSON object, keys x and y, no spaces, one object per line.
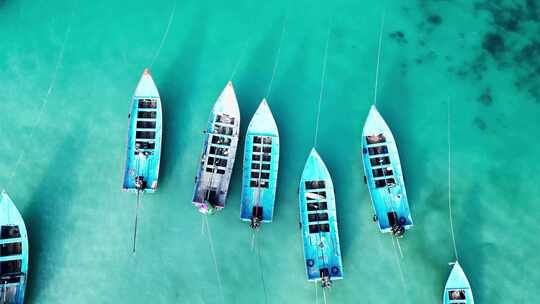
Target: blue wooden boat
{"x":144,"y":138}
{"x":13,"y":253}
{"x":261,"y":160}
{"x":218,"y":153}
{"x":384,"y":177}
{"x":318,"y":221}
{"x":457,"y":289}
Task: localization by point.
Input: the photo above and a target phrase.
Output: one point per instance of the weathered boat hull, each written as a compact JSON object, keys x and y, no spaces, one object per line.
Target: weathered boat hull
{"x":13,"y":253}
{"x":261,"y":160}
{"x":384,"y":177}
{"x":218,"y":155}
{"x":457,"y":289}
{"x":144,"y":138}
{"x":318,"y":219}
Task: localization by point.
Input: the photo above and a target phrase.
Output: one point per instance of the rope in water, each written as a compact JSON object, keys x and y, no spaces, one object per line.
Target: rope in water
{"x":136,"y":222}
{"x":450,"y":186}
{"x":211,"y":242}
{"x":401,"y":275}
{"x":378,"y":57}
{"x":46,"y":98}
{"x":237,"y":64}
{"x":276,"y":60}
{"x":323,"y":76}
{"x":258,"y":249}
{"x":165,"y":34}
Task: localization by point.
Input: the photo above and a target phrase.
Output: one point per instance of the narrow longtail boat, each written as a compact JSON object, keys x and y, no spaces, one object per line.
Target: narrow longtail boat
{"x":457,"y":289}
{"x":384,"y":177}
{"x":318,"y":221}
{"x":261,"y":160}
{"x":218,"y":153}
{"x":13,"y":253}
{"x":144,"y":138}
{"x":143,"y":142}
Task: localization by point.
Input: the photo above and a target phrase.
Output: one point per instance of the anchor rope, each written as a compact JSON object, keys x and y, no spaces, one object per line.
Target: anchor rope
{"x":401,"y":275}
{"x":381,"y":30}
{"x":45,"y":100}
{"x":259,"y":258}
{"x":450,"y":184}
{"x":211,"y":243}
{"x":136,"y":222}
{"x":165,"y":34}
{"x":323,"y":76}
{"x":276,"y":60}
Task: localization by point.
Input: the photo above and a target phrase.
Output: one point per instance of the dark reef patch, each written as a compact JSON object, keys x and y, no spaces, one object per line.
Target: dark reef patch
{"x":398,"y":36}
{"x":435,"y":19}
{"x":486,"y":98}
{"x":480,"y":123}
{"x":494,"y":44}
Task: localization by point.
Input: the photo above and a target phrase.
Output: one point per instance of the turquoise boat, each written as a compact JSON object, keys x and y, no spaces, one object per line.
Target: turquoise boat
{"x":384,"y":177}
{"x":318,"y":221}
{"x":144,"y":138}
{"x":261,"y":160}
{"x":457,"y":289}
{"x":13,"y":253}
{"x":218,"y":153}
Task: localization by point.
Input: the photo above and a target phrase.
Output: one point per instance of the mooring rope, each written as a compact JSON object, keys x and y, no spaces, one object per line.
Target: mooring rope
{"x":381,"y":30}
{"x":276,"y":60}
{"x":45,"y":100}
{"x":401,"y":275}
{"x":211,"y":242}
{"x":136,"y":222}
{"x":263,"y":282}
{"x":323,"y":76}
{"x":165,"y":34}
{"x":450,"y":185}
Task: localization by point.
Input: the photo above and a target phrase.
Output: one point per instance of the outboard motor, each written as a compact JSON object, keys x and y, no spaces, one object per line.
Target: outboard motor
{"x":256,"y":217}
{"x":398,"y":230}
{"x":326,"y":283}
{"x":255,"y":223}
{"x":140,"y":184}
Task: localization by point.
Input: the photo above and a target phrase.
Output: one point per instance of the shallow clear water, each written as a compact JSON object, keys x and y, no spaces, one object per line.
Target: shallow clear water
{"x":68,"y":69}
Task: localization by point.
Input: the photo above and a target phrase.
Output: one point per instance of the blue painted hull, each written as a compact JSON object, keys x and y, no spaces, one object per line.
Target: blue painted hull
{"x":218,"y":153}
{"x":13,"y":253}
{"x":318,"y":219}
{"x":261,"y":160}
{"x":143,"y":153}
{"x":384,"y":177}
{"x":457,"y":289}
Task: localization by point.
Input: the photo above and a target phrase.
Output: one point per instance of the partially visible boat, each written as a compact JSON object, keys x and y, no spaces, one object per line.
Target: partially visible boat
{"x":261,"y":160}
{"x":457,"y":289}
{"x":384,"y":177}
{"x":219,"y":151}
{"x":318,"y":220}
{"x":144,"y":138}
{"x":13,"y":253}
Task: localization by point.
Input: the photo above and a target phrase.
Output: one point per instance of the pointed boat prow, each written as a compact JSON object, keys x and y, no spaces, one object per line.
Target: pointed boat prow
{"x":457,"y":289}
{"x":14,"y":253}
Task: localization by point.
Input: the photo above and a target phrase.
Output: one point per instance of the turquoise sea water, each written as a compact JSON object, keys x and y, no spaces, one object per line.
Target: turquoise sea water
{"x":68,"y":69}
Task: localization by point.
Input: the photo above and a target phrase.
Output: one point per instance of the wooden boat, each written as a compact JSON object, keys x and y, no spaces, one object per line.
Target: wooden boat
{"x":318,"y":221}
{"x":13,"y":253}
{"x":384,"y":177}
{"x":144,"y":138}
{"x":457,"y":289}
{"x":261,"y":159}
{"x":219,"y":152}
